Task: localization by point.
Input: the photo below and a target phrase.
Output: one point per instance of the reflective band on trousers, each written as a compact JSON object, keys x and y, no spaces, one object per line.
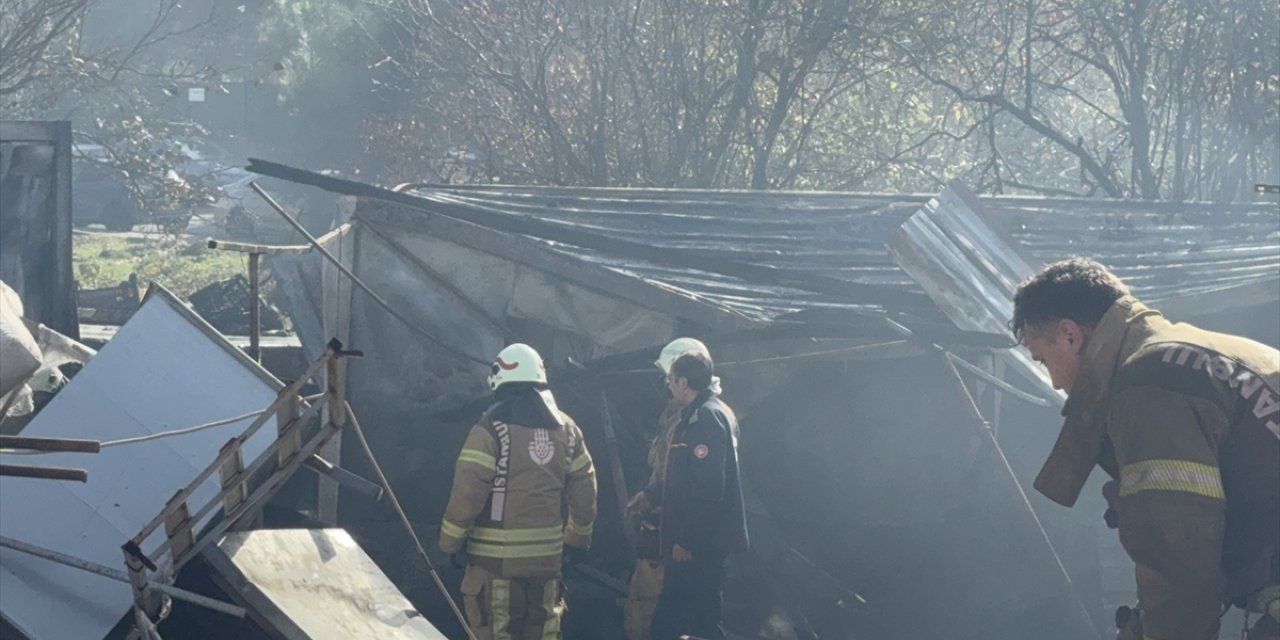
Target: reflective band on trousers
{"x":545,"y":534}
{"x":513,"y":551}
{"x":500,"y":608}
{"x":550,"y":609}
{"x":477,"y":457}
{"x":1171,"y":475}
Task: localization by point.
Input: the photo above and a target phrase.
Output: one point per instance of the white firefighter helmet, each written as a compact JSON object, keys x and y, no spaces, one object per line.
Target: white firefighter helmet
{"x":517,"y":363}
{"x":677,"y":348}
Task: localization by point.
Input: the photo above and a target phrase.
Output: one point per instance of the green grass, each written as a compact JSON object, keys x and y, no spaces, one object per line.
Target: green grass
{"x":103,"y":260}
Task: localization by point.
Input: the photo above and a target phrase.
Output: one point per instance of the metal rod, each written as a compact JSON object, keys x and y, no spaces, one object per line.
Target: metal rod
{"x":997,"y":382}
{"x":615,"y":468}
{"x":255,"y":309}
{"x":404,"y":521}
{"x":44,"y":473}
{"x":120,"y":576}
{"x":360,"y":283}
{"x":985,"y":427}
{"x":272,"y":249}
{"x":344,"y":477}
{"x":50,"y":444}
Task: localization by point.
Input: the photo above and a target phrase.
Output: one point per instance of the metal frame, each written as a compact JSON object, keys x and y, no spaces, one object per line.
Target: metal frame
{"x":59,"y":308}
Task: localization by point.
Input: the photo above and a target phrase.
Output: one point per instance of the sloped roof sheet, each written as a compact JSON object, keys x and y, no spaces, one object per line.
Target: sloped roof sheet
{"x":1160,"y":249}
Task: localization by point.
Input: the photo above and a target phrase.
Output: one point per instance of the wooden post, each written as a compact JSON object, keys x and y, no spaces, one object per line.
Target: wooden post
{"x":336,"y":408}
{"x":177,"y":525}
{"x":230,"y":476}
{"x":145,"y":601}
{"x":289,"y":442}
{"x":255,"y":309}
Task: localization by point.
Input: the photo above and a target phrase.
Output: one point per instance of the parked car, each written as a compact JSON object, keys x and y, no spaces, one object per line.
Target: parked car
{"x":102,"y":193}
{"x":99,"y":193}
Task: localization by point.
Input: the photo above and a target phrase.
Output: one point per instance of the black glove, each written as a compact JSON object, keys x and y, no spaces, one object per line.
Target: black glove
{"x":1129,"y":624}
{"x":459,"y":559}
{"x":1112,"y":518}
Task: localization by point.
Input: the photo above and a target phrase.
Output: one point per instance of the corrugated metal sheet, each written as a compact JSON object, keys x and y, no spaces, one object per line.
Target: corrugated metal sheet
{"x":164,"y":369}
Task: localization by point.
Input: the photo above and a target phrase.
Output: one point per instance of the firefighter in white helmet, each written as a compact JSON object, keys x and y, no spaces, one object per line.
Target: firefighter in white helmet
{"x":521,"y":460}
{"x":646,"y":579}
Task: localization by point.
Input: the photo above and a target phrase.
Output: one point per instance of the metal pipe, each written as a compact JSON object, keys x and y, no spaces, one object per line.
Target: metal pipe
{"x":245,"y":247}
{"x":120,"y":576}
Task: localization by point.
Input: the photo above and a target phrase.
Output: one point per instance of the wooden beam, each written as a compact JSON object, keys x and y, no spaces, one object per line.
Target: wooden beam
{"x":43,"y":473}
{"x":50,"y":444}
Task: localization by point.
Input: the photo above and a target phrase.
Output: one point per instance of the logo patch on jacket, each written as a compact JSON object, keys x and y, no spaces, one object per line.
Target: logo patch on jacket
{"x":541,"y":449}
{"x":701,"y":451}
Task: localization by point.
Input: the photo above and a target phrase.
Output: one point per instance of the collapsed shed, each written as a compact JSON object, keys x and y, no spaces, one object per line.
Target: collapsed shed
{"x":879,"y":505}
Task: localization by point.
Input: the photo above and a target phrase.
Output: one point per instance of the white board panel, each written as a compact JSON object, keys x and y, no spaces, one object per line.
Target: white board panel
{"x":164,"y":369}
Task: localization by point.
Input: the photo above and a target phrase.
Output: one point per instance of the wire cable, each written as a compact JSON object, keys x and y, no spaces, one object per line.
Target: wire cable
{"x":164,"y":434}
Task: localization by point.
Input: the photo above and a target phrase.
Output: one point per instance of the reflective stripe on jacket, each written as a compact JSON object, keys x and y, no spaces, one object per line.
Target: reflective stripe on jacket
{"x":1188,"y":422}
{"x":508,"y":487}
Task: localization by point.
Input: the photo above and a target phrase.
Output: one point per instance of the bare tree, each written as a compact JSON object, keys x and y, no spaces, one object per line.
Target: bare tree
{"x":28,"y":31}
{"x":1148,"y":99}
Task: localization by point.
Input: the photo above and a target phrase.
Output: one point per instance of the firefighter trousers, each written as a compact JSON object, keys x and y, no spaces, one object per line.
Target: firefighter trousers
{"x":527,"y":608}
{"x":642,"y":598}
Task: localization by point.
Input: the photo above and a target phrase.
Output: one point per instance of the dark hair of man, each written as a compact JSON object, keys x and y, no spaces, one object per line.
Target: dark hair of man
{"x":696,"y":368}
{"x":1077,"y":289}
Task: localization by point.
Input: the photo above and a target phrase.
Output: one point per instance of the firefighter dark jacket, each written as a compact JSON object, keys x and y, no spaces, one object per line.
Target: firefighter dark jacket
{"x":701,"y":494}
{"x":1188,"y":422}
{"x":509,"y":484}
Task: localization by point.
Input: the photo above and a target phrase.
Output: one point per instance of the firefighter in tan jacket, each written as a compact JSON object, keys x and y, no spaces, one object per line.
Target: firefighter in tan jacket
{"x":1187,"y":424}
{"x":520,"y":462}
